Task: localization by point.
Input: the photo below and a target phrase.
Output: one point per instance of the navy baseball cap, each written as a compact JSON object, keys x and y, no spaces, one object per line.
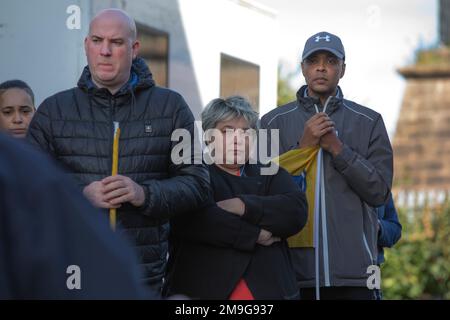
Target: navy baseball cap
{"x":324,"y":41}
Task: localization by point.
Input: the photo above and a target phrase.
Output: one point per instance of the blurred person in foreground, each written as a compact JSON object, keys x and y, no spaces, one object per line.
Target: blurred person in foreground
{"x":48,"y":229}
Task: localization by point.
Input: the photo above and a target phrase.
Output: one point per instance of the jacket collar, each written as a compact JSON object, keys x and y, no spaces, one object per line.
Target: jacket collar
{"x":309,"y":103}
{"x":140,"y":78}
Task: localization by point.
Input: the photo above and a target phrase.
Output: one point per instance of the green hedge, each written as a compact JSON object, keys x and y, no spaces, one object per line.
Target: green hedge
{"x":418,"y":267}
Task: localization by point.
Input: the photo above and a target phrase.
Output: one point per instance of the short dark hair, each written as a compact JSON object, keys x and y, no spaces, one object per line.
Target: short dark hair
{"x":19,"y":84}
{"x":226,"y":109}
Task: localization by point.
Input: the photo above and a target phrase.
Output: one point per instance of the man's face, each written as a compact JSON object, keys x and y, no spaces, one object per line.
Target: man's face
{"x":110,"y":51}
{"x":16,"y":112}
{"x":322,"y":71}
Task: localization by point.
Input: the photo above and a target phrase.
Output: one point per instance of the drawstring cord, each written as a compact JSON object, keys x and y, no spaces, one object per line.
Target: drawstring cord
{"x":317,"y":191}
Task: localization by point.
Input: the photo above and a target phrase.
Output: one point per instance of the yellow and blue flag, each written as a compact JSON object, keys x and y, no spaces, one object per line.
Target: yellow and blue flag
{"x":302,"y":165}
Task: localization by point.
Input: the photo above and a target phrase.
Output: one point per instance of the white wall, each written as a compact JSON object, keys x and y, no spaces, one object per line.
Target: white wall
{"x":37,"y":47}
{"x":223,"y":26}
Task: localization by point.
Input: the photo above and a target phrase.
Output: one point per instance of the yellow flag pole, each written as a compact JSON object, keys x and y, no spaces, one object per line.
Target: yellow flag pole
{"x":115,"y":166}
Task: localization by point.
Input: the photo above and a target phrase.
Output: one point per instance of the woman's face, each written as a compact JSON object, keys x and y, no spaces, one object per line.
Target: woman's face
{"x":232,"y":143}
{"x":16,"y":112}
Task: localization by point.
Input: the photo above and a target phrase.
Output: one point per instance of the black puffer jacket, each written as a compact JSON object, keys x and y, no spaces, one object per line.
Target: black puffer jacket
{"x":76,"y":128}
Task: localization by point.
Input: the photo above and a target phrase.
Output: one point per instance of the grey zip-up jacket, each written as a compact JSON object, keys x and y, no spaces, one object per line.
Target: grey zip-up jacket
{"x":355,"y":182}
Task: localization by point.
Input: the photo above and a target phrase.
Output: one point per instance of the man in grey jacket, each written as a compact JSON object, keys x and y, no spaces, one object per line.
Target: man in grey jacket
{"x":356,"y":167}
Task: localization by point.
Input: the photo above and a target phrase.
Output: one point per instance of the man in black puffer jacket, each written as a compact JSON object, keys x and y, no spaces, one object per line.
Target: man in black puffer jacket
{"x":77,"y":128}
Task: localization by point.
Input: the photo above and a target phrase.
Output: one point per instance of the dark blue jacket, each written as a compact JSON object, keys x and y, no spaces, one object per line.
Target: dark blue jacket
{"x":390,"y":228}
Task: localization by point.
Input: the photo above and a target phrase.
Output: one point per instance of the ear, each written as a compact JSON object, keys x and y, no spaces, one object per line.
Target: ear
{"x":135,"y":48}
{"x":343,"y":70}
{"x":303,"y":68}
{"x":85,"y":45}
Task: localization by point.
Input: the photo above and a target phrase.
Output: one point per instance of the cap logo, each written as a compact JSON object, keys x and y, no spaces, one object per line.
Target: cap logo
{"x":326,"y":38}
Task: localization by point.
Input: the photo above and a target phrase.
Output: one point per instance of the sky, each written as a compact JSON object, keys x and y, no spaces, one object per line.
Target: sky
{"x":379,"y":36}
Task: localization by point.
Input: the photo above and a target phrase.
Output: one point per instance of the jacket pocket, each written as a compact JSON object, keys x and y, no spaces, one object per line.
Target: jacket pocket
{"x":352,"y":256}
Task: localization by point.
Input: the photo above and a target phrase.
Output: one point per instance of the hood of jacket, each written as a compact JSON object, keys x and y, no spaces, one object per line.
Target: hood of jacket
{"x":308,"y":102}
{"x":140,"y":78}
